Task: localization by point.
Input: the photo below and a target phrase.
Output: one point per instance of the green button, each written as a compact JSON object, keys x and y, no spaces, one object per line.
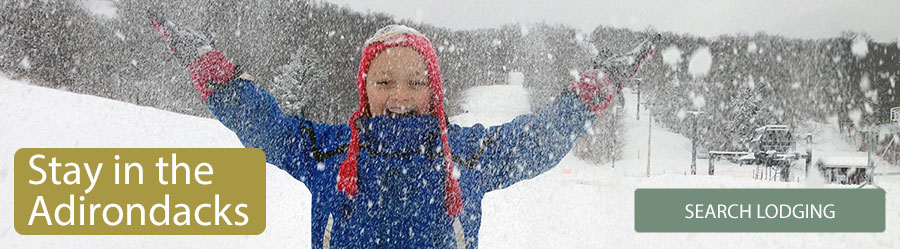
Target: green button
{"x":759,"y":210}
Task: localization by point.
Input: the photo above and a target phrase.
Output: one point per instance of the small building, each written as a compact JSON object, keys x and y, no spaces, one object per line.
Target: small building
{"x":843,"y":170}
{"x":895,"y":115}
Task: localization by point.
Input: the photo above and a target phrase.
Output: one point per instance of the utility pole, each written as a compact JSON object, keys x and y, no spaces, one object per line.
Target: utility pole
{"x":612,"y":152}
{"x":694,"y":146}
{"x":695,"y":115}
{"x":870,"y":165}
{"x":808,"y":153}
{"x":638,"y":92}
{"x":649,"y":130}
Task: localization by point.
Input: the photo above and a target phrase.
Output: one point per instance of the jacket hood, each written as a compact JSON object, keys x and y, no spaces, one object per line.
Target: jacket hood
{"x":385,"y":38}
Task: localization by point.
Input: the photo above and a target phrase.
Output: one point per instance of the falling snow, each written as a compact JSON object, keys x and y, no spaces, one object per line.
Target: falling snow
{"x":672,"y":56}
{"x":491,"y":76}
{"x":698,"y":101}
{"x":700,"y":62}
{"x":103,"y":8}
{"x":751,"y":47}
{"x":855,"y":116}
{"x":860,"y":47}
{"x":864,"y":83}
{"x":25,"y":63}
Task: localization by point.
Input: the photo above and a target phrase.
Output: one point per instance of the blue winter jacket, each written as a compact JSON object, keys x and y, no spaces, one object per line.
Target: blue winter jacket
{"x":401,"y":175}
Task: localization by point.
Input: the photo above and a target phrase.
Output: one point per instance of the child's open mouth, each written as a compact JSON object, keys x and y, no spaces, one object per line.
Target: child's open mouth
{"x":400,"y":111}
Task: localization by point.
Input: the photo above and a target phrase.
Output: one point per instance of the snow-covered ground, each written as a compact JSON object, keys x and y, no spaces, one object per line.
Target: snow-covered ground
{"x":576,"y":205}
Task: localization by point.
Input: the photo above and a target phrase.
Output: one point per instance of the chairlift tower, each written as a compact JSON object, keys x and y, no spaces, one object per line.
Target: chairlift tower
{"x":637,"y":90}
{"x":873,"y":132}
{"x":695,"y":115}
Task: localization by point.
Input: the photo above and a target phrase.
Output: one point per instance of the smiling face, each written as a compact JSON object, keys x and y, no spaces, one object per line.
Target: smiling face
{"x":397,"y":84}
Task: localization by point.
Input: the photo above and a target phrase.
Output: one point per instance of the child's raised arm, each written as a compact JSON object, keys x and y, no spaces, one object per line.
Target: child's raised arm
{"x":254,"y":116}
{"x":525,"y":147}
{"x":534,"y":143}
{"x":251,"y":112}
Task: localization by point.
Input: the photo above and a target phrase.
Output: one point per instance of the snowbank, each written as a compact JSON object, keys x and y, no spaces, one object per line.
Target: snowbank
{"x":492,"y":105}
{"x":41,"y":117}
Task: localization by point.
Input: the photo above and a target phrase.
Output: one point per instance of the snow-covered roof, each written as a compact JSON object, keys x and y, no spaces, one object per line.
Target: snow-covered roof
{"x":846,"y":161}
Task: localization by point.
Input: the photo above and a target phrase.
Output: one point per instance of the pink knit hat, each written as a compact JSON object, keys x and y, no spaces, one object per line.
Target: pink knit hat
{"x":388,"y":37}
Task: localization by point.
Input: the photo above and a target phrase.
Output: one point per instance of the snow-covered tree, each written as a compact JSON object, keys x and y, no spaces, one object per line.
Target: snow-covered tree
{"x":301,"y":87}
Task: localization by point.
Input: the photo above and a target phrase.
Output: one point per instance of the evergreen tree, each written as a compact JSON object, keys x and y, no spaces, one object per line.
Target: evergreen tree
{"x":301,"y":88}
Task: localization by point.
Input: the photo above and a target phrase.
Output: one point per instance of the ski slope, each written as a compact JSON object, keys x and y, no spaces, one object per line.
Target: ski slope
{"x":575,"y":205}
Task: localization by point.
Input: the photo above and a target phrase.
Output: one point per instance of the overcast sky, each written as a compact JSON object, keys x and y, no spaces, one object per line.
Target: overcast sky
{"x":792,"y":18}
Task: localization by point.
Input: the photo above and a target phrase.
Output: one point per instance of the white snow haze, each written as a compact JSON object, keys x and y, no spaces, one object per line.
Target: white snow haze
{"x":724,"y":67}
{"x":708,"y":18}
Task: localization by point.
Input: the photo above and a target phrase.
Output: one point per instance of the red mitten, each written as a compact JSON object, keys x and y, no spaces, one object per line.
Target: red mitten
{"x":211,"y":68}
{"x":595,"y":89}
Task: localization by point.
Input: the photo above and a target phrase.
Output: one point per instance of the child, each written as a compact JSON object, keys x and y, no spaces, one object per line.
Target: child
{"x":397,"y":175}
